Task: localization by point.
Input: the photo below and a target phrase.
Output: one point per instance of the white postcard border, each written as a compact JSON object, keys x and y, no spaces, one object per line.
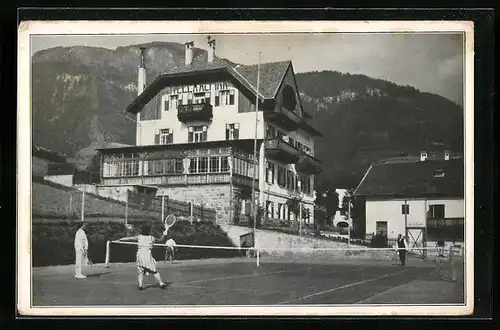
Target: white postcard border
{"x":30,"y":28}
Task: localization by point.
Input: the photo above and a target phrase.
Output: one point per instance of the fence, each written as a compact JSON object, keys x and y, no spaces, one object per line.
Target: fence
{"x":54,"y":201}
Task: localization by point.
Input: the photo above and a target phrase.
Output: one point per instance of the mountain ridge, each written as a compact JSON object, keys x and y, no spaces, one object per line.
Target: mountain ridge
{"x":354,"y":112}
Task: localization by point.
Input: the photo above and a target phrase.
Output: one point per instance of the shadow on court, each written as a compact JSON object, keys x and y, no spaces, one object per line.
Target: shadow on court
{"x":241,"y":282}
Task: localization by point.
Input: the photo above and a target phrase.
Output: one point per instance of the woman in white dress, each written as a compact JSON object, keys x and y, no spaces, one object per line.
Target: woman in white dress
{"x":146,"y":264}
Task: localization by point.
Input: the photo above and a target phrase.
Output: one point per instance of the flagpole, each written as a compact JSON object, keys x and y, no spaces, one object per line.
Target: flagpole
{"x":254,"y":209}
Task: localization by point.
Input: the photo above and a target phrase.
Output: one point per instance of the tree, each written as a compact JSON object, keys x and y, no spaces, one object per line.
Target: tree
{"x":244,"y":193}
{"x":327,"y":200}
{"x":294,"y":204}
{"x":357,"y":212}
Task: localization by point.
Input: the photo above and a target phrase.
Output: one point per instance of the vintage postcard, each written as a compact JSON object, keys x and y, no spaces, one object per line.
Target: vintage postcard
{"x":245,"y":168}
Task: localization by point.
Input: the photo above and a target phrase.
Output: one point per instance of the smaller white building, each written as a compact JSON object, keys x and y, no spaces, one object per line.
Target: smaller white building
{"x":423,"y":200}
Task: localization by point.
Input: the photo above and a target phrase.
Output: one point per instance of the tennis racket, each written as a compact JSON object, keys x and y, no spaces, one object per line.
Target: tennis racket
{"x":169,"y":222}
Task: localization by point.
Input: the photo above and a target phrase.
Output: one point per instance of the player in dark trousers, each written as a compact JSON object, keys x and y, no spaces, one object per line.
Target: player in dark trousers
{"x":402,"y":249}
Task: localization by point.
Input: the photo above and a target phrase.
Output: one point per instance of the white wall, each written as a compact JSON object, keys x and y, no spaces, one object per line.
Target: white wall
{"x":390,"y":211}
{"x":66,"y":180}
{"x":216,"y":131}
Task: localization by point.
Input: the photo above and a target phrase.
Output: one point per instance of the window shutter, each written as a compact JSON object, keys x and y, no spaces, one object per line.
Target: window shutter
{"x":227,"y":132}
{"x":157,"y":138}
{"x":190,"y":129}
{"x":237,"y":126}
{"x":236,"y":134}
{"x":204,"y":128}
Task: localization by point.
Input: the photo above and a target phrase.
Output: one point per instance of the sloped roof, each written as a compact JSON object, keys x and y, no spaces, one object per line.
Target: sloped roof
{"x":413,"y":179}
{"x":271,"y":76}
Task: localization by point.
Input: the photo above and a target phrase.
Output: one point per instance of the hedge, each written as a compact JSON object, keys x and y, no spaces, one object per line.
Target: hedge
{"x":53,"y":243}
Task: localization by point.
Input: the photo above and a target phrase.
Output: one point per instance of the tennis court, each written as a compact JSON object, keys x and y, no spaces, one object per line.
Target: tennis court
{"x":238,"y":281}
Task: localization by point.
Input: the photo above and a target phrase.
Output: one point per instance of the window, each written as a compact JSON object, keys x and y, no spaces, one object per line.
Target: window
{"x":165,"y":166}
{"x":214,"y":164}
{"x":224,"y":97}
{"x":155,"y":167}
{"x":306,"y":184}
{"x":280,"y":211}
{"x":436,"y":211}
{"x":193,"y":165}
{"x":166,"y":136}
{"x":197,"y":133}
{"x":270,"y":132}
{"x":307,"y":215}
{"x":202,"y":164}
{"x":224,"y":164}
{"x":270,"y":173}
{"x":217,"y":98}
{"x":189,"y":98}
{"x":130,"y":168}
{"x":270,"y":209}
{"x":281,"y":176}
{"x":174,"y":101}
{"x":232,"y":131}
{"x":290,"y":180}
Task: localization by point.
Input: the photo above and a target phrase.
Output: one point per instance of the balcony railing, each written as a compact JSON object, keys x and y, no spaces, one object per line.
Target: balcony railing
{"x":195,"y":112}
{"x":285,"y":118}
{"x":308,"y":164}
{"x":282,"y":151}
{"x":180,"y":179}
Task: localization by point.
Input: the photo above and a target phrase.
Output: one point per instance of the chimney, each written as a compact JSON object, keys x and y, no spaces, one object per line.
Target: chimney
{"x":423,"y":155}
{"x":211,"y":50}
{"x":189,"y":52}
{"x":446,"y":155}
{"x":141,"y":79}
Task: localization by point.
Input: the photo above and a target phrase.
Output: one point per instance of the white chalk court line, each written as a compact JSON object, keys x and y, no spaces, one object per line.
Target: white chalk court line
{"x":339,"y":288}
{"x":364,"y":301}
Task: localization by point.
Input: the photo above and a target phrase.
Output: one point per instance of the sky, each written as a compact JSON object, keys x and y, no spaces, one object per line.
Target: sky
{"x":429,"y":62}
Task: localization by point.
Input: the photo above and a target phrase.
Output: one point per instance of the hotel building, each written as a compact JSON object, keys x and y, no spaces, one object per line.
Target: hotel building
{"x":196,"y":128}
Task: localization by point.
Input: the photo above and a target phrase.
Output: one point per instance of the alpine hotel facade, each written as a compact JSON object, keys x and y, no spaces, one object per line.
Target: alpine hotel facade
{"x":196,"y":125}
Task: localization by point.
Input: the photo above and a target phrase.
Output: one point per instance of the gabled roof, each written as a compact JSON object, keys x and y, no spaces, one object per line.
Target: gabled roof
{"x":271,"y":76}
{"x":413,"y":179}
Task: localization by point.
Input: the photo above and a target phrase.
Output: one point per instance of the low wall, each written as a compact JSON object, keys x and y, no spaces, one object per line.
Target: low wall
{"x":216,"y":197}
{"x":277,"y":244}
{"x":268,"y":240}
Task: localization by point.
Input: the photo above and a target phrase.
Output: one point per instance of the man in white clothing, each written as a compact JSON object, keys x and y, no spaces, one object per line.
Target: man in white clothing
{"x":81,"y":247}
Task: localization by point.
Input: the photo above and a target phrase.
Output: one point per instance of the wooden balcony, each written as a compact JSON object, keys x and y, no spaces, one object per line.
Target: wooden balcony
{"x":180,"y":179}
{"x":308,"y":164}
{"x":284,"y":118}
{"x":281,"y":151}
{"x":195,"y":112}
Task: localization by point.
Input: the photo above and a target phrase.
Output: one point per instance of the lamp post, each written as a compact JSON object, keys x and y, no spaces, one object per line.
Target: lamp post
{"x":254,"y":209}
{"x":349,"y":224}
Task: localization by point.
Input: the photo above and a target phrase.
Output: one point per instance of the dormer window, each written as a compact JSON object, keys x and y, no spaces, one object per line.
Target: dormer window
{"x":439,"y":173}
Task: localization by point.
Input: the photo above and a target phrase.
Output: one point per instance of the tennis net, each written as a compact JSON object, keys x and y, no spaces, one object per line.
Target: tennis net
{"x":125,"y":252}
